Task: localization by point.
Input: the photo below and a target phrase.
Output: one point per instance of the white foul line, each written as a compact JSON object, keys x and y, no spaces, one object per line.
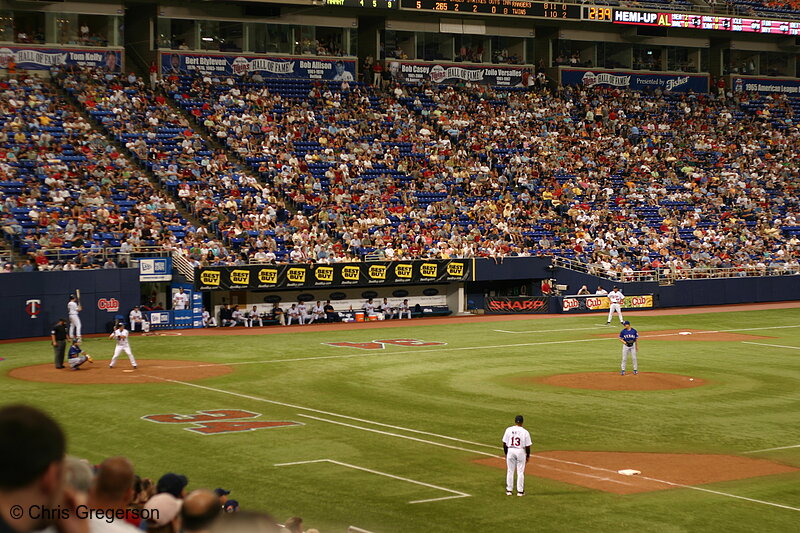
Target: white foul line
{"x":600,"y":469}
{"x":385,"y":353}
{"x":773,"y":449}
{"x":548,"y":330}
{"x":456,"y":493}
{"x":584,"y":475}
{"x":772,"y":345}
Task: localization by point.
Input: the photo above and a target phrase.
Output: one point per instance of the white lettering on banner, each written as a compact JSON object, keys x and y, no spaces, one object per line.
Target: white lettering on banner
{"x":590,"y":78}
{"x":33,"y":56}
{"x":275,"y":67}
{"x":677,"y":82}
{"x":635,"y":17}
{"x":439,"y":73}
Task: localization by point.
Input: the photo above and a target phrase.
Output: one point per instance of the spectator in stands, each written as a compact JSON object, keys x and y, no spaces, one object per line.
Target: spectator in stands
{"x":32,"y":470}
{"x":174,"y":484}
{"x":166,"y":510}
{"x":245,"y":522}
{"x":294,"y":524}
{"x":200,"y":508}
{"x":112,"y":490}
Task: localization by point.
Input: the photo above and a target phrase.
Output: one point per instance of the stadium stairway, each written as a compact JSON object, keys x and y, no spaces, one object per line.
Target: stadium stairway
{"x":151,"y":178}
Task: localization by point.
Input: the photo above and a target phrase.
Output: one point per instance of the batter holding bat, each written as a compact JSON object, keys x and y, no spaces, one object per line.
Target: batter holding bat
{"x":73,"y":308}
{"x":629,"y":337}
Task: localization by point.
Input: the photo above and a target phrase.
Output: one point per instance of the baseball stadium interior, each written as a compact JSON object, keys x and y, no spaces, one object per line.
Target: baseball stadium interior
{"x":217,"y":163}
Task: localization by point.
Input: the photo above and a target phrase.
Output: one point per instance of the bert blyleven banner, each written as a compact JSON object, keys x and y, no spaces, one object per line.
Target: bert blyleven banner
{"x":303,"y":275}
{"x":335,"y":69}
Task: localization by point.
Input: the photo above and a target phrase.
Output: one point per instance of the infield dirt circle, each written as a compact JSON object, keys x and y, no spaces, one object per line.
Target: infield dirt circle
{"x":614,"y":381}
{"x":149,"y":371}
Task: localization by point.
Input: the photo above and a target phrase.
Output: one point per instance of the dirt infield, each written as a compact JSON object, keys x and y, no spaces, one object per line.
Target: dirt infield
{"x":689,"y":335}
{"x":614,"y":381}
{"x":149,"y":371}
{"x":659,"y":471}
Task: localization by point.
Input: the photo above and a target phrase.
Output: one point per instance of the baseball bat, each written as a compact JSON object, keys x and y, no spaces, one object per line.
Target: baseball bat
{"x":78,"y":298}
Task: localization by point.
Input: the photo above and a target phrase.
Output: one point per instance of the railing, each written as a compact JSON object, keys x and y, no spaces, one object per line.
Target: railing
{"x":115,"y":253}
{"x":182,"y":265}
{"x":668,"y":276}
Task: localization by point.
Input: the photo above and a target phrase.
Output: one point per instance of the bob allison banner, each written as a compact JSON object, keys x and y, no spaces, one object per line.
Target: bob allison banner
{"x":338,"y":69}
{"x":303,"y":275}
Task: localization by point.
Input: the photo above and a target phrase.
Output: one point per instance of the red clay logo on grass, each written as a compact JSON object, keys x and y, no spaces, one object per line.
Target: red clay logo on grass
{"x":218,"y":421}
{"x":379,"y":345}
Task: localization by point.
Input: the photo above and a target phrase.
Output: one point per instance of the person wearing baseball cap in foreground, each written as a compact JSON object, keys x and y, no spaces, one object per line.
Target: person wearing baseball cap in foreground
{"x":629,"y":338}
{"x":165,"y":513}
{"x":174,"y":484}
{"x":517,"y":449}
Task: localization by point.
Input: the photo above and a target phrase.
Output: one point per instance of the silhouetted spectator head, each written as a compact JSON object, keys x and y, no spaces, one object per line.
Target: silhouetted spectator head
{"x":200,"y":508}
{"x":31,"y":462}
{"x":113,"y":484}
{"x":174,"y":484}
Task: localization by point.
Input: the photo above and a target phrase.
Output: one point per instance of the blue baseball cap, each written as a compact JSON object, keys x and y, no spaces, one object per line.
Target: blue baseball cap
{"x":626,"y":323}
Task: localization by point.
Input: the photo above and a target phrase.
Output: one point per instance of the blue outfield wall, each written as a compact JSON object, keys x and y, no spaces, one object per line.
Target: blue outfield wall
{"x":681,"y":294}
{"x":33,"y":301}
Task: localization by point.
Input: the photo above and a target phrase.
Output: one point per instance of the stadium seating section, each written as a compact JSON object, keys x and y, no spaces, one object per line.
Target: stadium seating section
{"x":297,"y":170}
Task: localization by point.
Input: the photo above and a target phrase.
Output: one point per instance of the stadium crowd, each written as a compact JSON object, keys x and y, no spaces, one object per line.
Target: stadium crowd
{"x":42,"y":489}
{"x":63,"y":186}
{"x":621,"y":180}
{"x":340,"y":171}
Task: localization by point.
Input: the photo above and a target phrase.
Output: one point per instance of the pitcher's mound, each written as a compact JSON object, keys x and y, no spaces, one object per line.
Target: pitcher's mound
{"x":149,"y":371}
{"x":614,"y":381}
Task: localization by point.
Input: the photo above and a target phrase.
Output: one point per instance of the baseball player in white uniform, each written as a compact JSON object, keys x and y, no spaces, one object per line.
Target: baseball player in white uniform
{"x":517,"y":449}
{"x":404,"y":309}
{"x":615,"y":298}
{"x":180,"y":301}
{"x":369,"y":308}
{"x":293,"y":314}
{"x":136,"y":318}
{"x":252,"y":317}
{"x":120,"y":334}
{"x":317,"y":312}
{"x":302,"y":310}
{"x":73,"y":307}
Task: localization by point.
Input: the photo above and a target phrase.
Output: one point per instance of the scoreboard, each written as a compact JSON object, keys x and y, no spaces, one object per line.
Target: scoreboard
{"x":578,"y":12}
{"x":518,"y":8}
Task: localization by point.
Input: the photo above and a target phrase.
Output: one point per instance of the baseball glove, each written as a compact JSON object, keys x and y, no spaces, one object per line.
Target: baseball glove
{"x":629,"y":344}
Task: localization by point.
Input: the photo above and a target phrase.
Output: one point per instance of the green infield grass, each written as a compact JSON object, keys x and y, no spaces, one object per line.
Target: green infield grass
{"x":378,"y":429}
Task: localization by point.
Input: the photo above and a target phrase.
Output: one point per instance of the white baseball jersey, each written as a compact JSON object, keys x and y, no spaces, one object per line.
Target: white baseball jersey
{"x":72,"y":308}
{"x":180,"y":301}
{"x":121,"y":336}
{"x":517,"y":437}
{"x":301,"y":308}
{"x":404,"y":306}
{"x":616,"y":297}
{"x":318,"y":310}
{"x":135,"y":316}
{"x":369,"y":308}
{"x":293,"y":311}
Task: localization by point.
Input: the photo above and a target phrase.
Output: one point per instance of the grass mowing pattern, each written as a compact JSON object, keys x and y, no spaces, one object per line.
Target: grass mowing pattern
{"x":465,"y":390}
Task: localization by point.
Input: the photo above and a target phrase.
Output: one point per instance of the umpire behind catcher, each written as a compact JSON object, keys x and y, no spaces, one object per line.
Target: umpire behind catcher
{"x":629,"y":337}
{"x":58,"y":338}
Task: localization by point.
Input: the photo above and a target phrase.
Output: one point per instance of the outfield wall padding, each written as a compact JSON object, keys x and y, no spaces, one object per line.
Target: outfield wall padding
{"x":104,"y":294}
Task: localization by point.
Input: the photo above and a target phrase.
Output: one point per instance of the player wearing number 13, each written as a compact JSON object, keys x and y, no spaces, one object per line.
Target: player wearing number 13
{"x":517,"y":449}
{"x":630,"y":345}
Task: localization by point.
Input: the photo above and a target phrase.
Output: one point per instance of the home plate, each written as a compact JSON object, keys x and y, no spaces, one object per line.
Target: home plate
{"x":127,"y":370}
{"x":628,"y":472}
{"x":684,"y":333}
